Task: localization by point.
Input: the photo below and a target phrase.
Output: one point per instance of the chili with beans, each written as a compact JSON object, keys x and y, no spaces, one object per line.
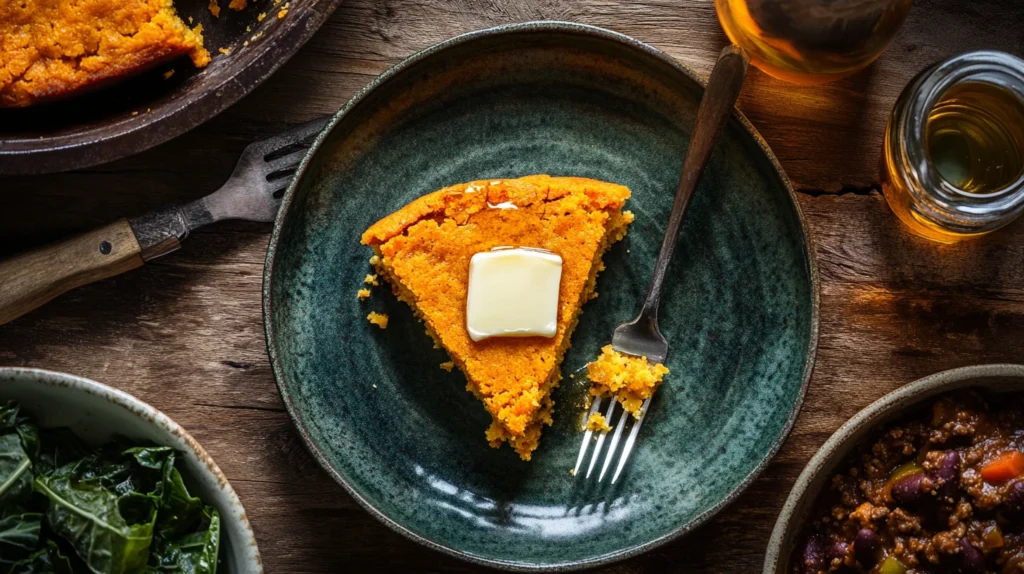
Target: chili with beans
{"x":939,"y":492}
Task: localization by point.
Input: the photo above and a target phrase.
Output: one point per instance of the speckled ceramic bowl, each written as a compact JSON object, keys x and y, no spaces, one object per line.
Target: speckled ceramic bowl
{"x":999,"y":378}
{"x":95,"y":412}
{"x":404,"y":437}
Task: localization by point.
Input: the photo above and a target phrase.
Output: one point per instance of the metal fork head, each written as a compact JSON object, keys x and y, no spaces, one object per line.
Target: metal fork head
{"x":642,"y":338}
{"x":623,"y":418}
{"x":263,"y":173}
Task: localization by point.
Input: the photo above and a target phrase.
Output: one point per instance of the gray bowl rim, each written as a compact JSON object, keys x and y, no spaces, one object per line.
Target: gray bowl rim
{"x":155,"y":417}
{"x":835,"y":449}
{"x":395,"y":74}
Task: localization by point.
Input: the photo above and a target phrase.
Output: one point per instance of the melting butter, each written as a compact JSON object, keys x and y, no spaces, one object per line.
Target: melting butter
{"x":513,"y":292}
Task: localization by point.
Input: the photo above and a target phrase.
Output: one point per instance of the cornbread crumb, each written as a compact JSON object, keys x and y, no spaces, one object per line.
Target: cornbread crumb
{"x":598,"y":423}
{"x":424,"y":249}
{"x":168,"y":74}
{"x":630,"y":379}
{"x":248,"y":29}
{"x":371,"y":280}
{"x":50,"y":50}
{"x":363,"y":294}
{"x":135,"y":113}
{"x":214,"y":8}
{"x":374,"y":260}
{"x":261,"y":16}
{"x":448,"y":366}
{"x":282,"y":13}
{"x":238,"y":4}
{"x":378,"y":319}
{"x":225,"y":51}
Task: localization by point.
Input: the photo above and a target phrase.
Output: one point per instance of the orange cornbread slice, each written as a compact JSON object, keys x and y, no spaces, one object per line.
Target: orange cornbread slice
{"x":424,"y":250}
{"x":55,"y":48}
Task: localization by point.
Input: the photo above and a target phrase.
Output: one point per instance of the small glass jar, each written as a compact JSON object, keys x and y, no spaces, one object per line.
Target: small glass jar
{"x":953,"y":157}
{"x":812,"y":41}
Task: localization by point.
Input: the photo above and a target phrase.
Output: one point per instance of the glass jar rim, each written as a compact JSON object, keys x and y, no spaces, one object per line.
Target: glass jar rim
{"x":986,"y":66}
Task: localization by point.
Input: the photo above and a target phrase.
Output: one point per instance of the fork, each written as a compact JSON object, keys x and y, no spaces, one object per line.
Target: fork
{"x":641,"y":337}
{"x":253,"y":193}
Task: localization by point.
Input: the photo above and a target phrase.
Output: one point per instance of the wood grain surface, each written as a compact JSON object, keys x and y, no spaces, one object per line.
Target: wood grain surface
{"x":184,"y":333}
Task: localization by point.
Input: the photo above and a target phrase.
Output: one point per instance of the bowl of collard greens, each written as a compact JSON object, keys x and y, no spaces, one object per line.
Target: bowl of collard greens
{"x":93,"y":480}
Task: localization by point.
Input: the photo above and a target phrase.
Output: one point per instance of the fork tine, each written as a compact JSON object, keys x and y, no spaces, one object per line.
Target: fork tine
{"x":631,"y":439}
{"x":615,"y":443}
{"x":586,"y":437}
{"x":300,"y":133}
{"x":600,"y":439}
{"x":288,"y":160}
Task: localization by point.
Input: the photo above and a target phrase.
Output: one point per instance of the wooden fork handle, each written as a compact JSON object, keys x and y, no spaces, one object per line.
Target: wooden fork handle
{"x":34,"y":278}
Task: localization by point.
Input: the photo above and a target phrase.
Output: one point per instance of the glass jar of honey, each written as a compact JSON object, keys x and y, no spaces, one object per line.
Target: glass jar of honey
{"x":953,"y":157}
{"x":812,"y":41}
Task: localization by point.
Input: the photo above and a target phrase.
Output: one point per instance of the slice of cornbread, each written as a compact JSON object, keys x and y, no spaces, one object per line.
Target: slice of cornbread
{"x":51,"y":49}
{"x":424,"y":250}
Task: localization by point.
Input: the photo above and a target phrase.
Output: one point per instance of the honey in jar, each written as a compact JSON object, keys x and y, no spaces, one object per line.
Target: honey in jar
{"x":953,"y":158}
{"x":812,"y":41}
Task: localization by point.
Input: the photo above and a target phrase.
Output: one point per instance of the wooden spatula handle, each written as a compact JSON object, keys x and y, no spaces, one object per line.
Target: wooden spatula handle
{"x":30,"y":280}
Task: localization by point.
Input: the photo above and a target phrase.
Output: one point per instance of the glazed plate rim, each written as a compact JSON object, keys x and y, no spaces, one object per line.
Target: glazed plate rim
{"x":394,"y":73}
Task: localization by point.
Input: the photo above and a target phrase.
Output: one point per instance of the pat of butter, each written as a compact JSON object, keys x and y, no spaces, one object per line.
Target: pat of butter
{"x":513,"y":293}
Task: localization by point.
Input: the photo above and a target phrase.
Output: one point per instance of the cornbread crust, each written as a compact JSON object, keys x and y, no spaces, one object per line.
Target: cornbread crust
{"x":631,"y":380}
{"x":51,"y":49}
{"x":424,"y":249}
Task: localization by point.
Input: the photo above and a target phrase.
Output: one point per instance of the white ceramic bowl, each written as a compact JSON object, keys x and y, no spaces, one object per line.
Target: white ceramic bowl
{"x":999,"y":378}
{"x":95,"y":412}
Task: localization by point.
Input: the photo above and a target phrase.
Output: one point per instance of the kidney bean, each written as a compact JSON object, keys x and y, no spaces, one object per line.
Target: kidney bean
{"x":947,"y":473}
{"x":907,"y":490}
{"x":1013,"y":505}
{"x":838,"y":551}
{"x":971,"y":559}
{"x":812,"y":558}
{"x":866,"y":546}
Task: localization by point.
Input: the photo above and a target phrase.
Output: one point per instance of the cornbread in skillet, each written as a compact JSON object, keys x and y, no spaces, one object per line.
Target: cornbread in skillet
{"x":424,"y":250}
{"x":51,"y":49}
{"x":631,"y":380}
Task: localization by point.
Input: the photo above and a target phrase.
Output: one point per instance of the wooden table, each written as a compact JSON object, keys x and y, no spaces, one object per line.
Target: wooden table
{"x":185,"y":332}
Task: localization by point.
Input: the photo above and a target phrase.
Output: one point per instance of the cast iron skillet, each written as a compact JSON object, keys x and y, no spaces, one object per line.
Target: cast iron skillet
{"x":139,"y":113}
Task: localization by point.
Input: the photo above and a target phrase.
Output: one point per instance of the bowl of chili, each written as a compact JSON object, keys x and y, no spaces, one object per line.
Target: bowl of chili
{"x":928,"y":479}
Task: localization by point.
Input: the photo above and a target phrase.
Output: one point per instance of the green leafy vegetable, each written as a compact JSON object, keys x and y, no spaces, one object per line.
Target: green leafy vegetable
{"x":194,"y":553}
{"x":119,"y":508}
{"x":89,"y":517}
{"x":48,"y":560}
{"x":19,"y":537}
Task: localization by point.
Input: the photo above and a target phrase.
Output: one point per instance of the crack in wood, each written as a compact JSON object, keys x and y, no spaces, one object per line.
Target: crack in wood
{"x":868,"y":190}
{"x":242,"y":407}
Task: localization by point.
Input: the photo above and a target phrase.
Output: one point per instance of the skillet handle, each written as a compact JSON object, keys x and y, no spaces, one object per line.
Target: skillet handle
{"x":34,"y":278}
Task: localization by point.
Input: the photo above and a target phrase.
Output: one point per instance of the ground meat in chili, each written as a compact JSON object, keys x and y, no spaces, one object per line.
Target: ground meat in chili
{"x":941,"y":491}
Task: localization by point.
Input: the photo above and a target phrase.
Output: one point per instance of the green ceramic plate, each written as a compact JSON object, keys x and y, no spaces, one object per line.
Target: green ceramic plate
{"x":404,"y":437}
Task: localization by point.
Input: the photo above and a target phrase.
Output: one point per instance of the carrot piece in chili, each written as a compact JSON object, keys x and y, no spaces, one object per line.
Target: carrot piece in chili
{"x":1005,"y":467}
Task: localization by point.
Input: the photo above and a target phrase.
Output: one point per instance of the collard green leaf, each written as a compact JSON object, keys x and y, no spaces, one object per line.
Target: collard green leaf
{"x":15,"y":471}
{"x":194,"y":553}
{"x":59,"y":447}
{"x":48,"y":560}
{"x":19,"y":537}
{"x":69,"y":508}
{"x":88,"y":516}
{"x":180,"y":512}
